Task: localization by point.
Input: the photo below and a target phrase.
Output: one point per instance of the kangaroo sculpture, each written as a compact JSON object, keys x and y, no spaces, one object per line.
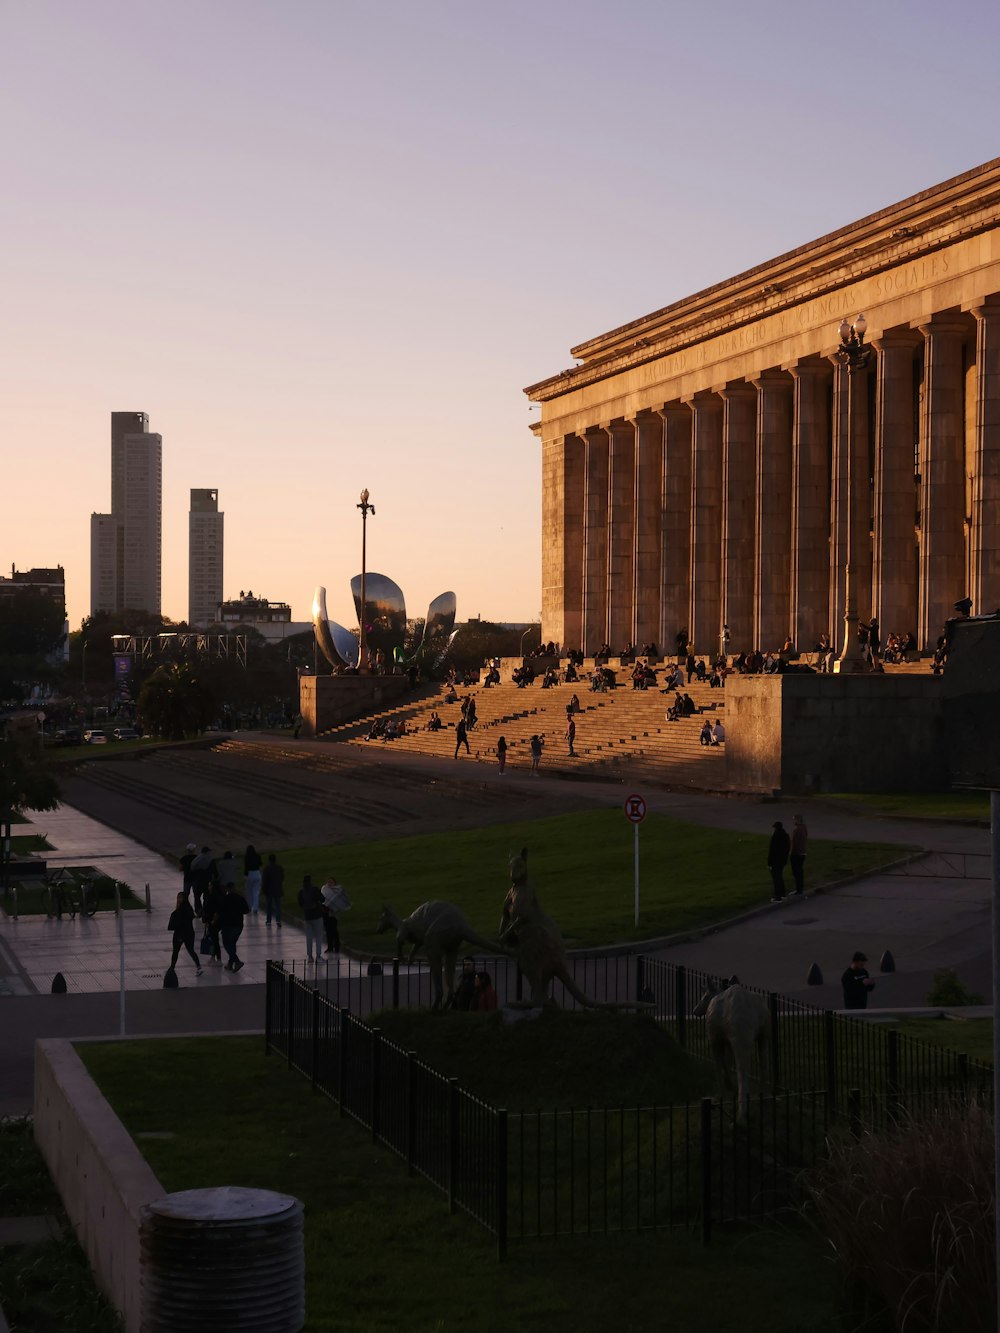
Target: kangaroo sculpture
{"x":440,"y":929}
{"x":536,"y":940}
{"x":736,"y":1021}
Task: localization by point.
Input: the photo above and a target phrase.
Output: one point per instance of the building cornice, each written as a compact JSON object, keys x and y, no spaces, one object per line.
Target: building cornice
{"x":917,"y":226}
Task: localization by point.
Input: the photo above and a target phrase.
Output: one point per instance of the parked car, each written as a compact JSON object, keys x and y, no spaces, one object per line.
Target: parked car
{"x":125,"y":734}
{"x":94,"y":737}
{"x":68,"y":736}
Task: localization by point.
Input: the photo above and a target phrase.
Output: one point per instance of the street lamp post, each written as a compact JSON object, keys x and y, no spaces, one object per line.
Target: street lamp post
{"x":855,"y":356}
{"x":366,"y":509}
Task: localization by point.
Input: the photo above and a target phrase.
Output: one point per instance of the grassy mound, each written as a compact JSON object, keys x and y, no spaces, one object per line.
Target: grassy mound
{"x":560,"y":1059}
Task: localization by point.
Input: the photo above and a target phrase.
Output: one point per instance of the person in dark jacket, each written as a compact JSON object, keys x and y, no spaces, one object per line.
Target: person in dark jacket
{"x":251,"y":877}
{"x":777,"y":858}
{"x":202,"y":875}
{"x":186,"y":861}
{"x":465,"y":991}
{"x":182,"y":924}
{"x":856,"y":983}
{"x":273,"y":883}
{"x":311,"y":902}
{"x":231,"y":913}
{"x":211,"y":914}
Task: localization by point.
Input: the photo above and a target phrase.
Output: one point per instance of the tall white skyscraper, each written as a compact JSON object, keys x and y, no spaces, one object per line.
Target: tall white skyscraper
{"x":205,"y":547}
{"x":125,"y":545}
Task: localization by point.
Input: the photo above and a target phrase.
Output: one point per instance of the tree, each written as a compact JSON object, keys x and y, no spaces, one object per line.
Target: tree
{"x":26,"y":781}
{"x":176,"y":703}
{"x":31,"y":633}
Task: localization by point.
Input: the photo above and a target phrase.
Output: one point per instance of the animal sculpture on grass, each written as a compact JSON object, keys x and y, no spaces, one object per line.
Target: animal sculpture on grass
{"x":736,"y":1021}
{"x":440,"y":929}
{"x":537,"y":943}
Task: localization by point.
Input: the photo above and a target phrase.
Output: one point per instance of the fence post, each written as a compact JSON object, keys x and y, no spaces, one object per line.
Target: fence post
{"x":854,"y":1111}
{"x":963,"y":1072}
{"x":640,"y":976}
{"x":13,"y":892}
{"x":452,"y":1144}
{"x":345,"y":1023}
{"x":772,"y":1003}
{"x":830,"y":1051}
{"x":395,"y":983}
{"x":290,"y":1042}
{"x":149,"y":906}
{"x":706,"y":1170}
{"x":892,"y":1063}
{"x":680,"y":1003}
{"x":519,"y":985}
{"x":314,"y":1055}
{"x":501,"y":1183}
{"x":411,"y":1111}
{"x":376,"y":1088}
{"x":268,"y":1001}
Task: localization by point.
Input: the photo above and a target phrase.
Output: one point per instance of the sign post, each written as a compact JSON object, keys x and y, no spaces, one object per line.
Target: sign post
{"x":635,"y":813}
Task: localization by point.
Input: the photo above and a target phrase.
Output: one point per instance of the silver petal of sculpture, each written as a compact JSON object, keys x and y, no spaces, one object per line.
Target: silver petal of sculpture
{"x":440,"y":620}
{"x":385,"y":613}
{"x":321,"y":628}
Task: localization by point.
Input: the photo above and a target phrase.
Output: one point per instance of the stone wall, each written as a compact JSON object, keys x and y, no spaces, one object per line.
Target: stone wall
{"x":103,"y":1179}
{"x":814,"y":733}
{"x":326,"y":701}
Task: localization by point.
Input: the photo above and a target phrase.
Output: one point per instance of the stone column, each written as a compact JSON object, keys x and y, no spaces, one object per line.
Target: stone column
{"x":562,"y":539}
{"x":621,"y":531}
{"x":809,"y":611}
{"x":595,"y":539}
{"x":648,"y":501}
{"x":675,"y":525}
{"x":838,"y":503}
{"x":739,"y":488}
{"x":894,"y":558}
{"x":705,"y":599}
{"x":773,"y":529}
{"x":942,"y":478}
{"x":985,"y":531}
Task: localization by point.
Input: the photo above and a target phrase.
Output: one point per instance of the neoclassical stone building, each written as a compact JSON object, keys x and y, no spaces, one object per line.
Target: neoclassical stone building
{"x":695,"y":462}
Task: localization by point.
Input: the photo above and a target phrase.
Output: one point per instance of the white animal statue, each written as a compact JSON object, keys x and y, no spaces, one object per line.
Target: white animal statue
{"x":736,"y":1021}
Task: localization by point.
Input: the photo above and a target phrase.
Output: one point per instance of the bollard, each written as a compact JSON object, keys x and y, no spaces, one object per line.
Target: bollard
{"x":815,"y":977}
{"x":58,"y":984}
{"x":887,"y":963}
{"x":148,"y":905}
{"x":14,"y":895}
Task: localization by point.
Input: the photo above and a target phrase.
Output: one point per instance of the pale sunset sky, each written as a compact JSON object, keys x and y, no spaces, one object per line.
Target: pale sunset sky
{"x":325,"y":244}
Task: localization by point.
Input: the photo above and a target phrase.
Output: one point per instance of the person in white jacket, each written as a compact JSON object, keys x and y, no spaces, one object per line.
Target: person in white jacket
{"x":335,"y":901}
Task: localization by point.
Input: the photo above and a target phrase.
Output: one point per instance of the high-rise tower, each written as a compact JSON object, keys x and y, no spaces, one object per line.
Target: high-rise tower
{"x":125,"y":545}
{"x":205,"y":531}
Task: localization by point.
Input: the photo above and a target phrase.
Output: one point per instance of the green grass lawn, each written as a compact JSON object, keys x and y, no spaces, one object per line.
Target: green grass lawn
{"x":382,"y":1251}
{"x":46,"y":1287}
{"x":582,"y":868}
{"x":961,"y":805}
{"x":969,"y":1036}
{"x":23,"y":844}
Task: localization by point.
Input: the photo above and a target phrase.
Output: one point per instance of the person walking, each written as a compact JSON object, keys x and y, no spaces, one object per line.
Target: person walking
{"x":777,"y":859}
{"x":311,"y":902}
{"x":226,"y":871}
{"x":501,"y":754}
{"x":211,"y":914}
{"x":571,"y":734}
{"x":335,"y":901}
{"x":231,"y":913}
{"x":273,"y":883}
{"x":202,"y":874}
{"x":251,"y":875}
{"x":182,"y":924}
{"x":856,"y":983}
{"x":461,"y":737}
{"x":191,"y":851}
{"x":537,"y":745}
{"x":800,"y":837}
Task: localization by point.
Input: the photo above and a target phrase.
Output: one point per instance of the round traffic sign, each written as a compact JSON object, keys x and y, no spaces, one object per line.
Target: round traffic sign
{"x":635,"y":809}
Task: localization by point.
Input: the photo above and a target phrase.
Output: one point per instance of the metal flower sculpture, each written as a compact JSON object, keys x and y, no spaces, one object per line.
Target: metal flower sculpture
{"x":385,"y":625}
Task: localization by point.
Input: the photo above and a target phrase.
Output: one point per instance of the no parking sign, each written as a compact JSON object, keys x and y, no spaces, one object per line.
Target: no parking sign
{"x":635,"y":813}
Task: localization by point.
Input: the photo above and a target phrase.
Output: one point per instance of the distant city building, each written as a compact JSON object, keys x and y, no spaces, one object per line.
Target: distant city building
{"x":125,"y":545}
{"x":49,"y":583}
{"x":205,"y":549}
{"x":272,"y":620}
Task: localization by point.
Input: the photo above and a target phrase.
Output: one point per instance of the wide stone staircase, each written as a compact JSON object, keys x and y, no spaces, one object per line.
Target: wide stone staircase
{"x":619,"y":734}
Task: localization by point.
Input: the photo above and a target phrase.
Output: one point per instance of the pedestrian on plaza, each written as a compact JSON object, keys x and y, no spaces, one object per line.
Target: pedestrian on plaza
{"x":251,"y":872}
{"x":311,"y":902}
{"x":273,"y":883}
{"x":856,"y":983}
{"x":777,"y":859}
{"x":537,"y":745}
{"x":227,"y":871}
{"x":202,"y":874}
{"x":231,"y":913}
{"x":190,"y":853}
{"x":182,"y":924}
{"x":501,"y":754}
{"x":800,"y":837}
{"x":461,"y":737}
{"x":571,"y":734}
{"x":485,"y":997}
{"x":335,"y":900}
{"x":465,"y":991}
{"x":211,"y":914}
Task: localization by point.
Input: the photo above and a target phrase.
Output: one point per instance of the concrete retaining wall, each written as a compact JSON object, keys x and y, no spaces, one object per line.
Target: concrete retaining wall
{"x":326,"y":701}
{"x":102,"y":1177}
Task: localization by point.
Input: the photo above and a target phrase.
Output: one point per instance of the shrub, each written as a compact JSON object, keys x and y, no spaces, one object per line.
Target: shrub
{"x":946,"y":989}
{"x":909,"y":1214}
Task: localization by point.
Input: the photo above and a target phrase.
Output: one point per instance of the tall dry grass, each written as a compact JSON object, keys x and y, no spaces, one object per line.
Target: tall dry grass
{"x":909,"y":1212}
